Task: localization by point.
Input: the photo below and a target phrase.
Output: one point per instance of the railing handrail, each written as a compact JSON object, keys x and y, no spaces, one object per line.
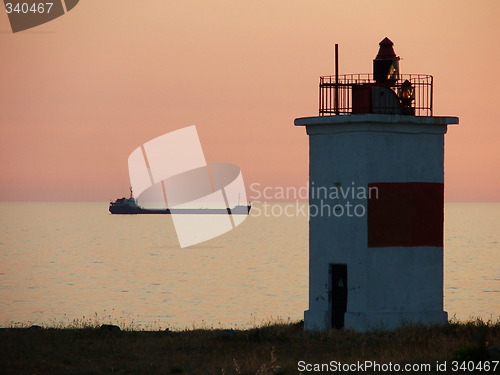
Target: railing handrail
{"x":336,"y":92}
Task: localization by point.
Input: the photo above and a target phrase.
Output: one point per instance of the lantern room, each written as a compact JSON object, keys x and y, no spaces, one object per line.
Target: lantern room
{"x":385,"y":91}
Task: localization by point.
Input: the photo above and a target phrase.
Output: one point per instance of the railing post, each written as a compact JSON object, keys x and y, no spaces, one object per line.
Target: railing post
{"x":432,"y":93}
{"x":336,"y":79}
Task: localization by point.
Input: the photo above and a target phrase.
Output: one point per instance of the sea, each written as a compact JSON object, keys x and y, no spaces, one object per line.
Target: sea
{"x":72,"y":264}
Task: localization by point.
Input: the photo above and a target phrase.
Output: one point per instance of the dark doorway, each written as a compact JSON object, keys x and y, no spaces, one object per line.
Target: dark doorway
{"x":339,"y":294}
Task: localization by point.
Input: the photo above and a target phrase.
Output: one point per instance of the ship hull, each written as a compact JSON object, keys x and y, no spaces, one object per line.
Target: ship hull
{"x":127,"y":210}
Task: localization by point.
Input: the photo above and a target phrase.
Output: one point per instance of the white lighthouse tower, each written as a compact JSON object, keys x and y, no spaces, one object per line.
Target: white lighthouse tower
{"x":376,"y":180}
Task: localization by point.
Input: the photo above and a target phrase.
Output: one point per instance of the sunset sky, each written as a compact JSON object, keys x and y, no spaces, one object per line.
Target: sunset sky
{"x":80,"y":93}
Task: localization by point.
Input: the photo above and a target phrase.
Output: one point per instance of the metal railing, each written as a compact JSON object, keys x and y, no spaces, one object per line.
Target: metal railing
{"x":336,"y":95}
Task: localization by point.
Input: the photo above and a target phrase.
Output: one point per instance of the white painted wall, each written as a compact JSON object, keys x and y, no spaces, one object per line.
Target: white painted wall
{"x":388,"y":287}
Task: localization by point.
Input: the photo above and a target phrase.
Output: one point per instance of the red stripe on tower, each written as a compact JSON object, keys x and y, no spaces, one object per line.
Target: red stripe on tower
{"x":405,"y":214}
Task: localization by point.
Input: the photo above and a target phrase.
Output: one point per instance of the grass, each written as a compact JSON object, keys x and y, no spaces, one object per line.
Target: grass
{"x":273,"y":348}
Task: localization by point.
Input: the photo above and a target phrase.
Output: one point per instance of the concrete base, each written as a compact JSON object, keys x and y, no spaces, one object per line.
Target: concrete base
{"x":363,"y":322}
{"x":316,"y":320}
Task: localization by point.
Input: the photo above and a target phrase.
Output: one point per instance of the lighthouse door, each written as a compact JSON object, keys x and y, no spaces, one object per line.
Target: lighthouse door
{"x":339,"y":294}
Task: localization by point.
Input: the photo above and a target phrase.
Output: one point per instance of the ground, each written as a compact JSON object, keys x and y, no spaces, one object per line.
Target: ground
{"x":275,"y":348}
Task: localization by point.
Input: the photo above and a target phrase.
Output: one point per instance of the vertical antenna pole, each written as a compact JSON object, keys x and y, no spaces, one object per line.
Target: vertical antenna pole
{"x":336,"y":79}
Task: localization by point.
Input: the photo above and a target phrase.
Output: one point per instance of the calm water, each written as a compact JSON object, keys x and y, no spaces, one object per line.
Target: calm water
{"x":65,"y":261}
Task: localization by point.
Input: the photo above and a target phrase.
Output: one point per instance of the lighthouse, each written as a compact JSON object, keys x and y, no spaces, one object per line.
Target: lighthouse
{"x":376,"y":200}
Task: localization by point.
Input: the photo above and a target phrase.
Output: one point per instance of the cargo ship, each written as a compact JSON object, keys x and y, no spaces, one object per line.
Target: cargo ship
{"x":129,"y":206}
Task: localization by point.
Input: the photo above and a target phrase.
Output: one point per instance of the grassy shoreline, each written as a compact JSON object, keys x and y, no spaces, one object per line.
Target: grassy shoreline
{"x":274,"y":348}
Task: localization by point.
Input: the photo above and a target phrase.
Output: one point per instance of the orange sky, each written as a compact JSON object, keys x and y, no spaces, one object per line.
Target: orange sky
{"x":78,"y":94}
